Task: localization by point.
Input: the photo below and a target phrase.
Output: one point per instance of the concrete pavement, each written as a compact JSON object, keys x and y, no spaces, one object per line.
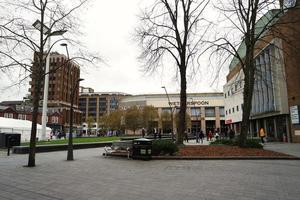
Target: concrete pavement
{"x":287,"y":148}
{"x":94,"y":177}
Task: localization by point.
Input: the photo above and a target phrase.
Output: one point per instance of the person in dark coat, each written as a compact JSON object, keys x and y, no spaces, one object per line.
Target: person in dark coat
{"x":201,"y":136}
{"x":186,"y":136}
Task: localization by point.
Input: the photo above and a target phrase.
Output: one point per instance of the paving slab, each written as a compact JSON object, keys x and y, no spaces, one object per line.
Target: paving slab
{"x":93,"y":176}
{"x":287,"y":148}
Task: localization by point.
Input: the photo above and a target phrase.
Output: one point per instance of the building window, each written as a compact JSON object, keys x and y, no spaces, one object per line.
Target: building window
{"x":8,"y":115}
{"x":20,"y":116}
{"x":210,"y":112}
{"x":229,"y":111}
{"x":222,"y":111}
{"x":195,"y":112}
{"x":228,"y":93}
{"x":54,"y":119}
{"x":225,"y":95}
{"x":237,"y":108}
{"x":168,"y":110}
{"x":233,"y":110}
{"x":226,"y":112}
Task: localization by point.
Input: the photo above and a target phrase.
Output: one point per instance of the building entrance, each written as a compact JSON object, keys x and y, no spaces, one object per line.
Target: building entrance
{"x":196,"y":127}
{"x":210,"y":125}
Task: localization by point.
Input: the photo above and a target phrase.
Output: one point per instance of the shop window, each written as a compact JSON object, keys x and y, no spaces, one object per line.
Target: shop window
{"x":210,"y":112}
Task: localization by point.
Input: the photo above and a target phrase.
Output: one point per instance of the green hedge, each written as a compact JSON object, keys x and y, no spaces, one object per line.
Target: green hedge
{"x":164,"y":147}
{"x":250,"y":143}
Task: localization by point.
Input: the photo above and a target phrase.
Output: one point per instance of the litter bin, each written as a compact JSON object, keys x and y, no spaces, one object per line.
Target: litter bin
{"x":141,"y":149}
{"x":8,"y":140}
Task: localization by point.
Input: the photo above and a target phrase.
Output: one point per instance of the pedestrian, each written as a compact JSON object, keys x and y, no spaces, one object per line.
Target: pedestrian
{"x":159,"y":134}
{"x":231,"y":134}
{"x":186,"y":136}
{"x":217,"y":135}
{"x":197,"y":136}
{"x":262,"y":134}
{"x":210,"y":135}
{"x":143,"y":132}
{"x":207,"y":136}
{"x":201,"y":136}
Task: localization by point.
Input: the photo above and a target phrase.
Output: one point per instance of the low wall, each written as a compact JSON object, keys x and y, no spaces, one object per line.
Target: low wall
{"x":59,"y":147}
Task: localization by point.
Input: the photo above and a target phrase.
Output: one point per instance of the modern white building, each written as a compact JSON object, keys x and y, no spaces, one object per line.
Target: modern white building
{"x":205,"y":109}
{"x":270,"y":108}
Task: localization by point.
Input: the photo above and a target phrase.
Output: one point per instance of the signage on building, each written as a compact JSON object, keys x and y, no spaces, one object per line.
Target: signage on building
{"x":191,"y":103}
{"x":229,"y":121}
{"x":294,"y":112}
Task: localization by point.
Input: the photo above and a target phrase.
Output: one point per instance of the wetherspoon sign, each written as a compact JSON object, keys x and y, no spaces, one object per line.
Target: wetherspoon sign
{"x":194,"y":103}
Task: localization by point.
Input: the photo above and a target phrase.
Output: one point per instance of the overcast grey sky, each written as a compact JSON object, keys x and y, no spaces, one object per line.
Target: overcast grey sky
{"x":108,"y":27}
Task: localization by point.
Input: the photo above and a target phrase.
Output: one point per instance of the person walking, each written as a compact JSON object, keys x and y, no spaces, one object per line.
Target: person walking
{"x":262,"y":134}
{"x":197,"y":136}
{"x":143,"y":132}
{"x":231,"y":134}
{"x":201,"y":136}
{"x":210,"y":135}
{"x":155,"y":133}
{"x":159,"y":134}
{"x":186,"y":136}
{"x":217,"y":135}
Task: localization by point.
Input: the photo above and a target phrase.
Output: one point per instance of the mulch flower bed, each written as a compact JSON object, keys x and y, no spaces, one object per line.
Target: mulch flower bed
{"x":227,"y":151}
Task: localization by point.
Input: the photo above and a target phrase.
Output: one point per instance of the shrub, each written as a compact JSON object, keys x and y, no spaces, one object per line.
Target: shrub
{"x":250,"y":143}
{"x":164,"y":147}
{"x":224,"y":142}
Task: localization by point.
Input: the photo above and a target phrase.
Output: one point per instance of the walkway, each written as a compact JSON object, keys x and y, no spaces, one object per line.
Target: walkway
{"x":287,"y":148}
{"x":94,"y":177}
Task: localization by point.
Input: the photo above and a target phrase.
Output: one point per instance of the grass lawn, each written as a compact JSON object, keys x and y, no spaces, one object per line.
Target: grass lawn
{"x":76,"y":140}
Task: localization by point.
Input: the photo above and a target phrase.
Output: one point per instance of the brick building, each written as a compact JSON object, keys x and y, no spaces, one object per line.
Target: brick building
{"x":62,"y":80}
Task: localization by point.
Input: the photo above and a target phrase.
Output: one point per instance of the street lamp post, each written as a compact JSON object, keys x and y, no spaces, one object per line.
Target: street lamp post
{"x":73,"y":90}
{"x":172,"y":133}
{"x":39,"y":26}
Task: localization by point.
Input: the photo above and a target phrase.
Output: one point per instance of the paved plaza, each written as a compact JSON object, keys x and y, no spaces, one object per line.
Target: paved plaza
{"x":92,"y":176}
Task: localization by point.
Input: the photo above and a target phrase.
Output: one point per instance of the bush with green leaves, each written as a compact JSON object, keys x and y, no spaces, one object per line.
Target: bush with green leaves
{"x":250,"y":143}
{"x":164,"y":147}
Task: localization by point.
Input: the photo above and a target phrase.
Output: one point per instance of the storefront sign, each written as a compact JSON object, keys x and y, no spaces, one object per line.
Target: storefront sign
{"x":191,"y":103}
{"x":229,"y":121}
{"x":294,"y":112}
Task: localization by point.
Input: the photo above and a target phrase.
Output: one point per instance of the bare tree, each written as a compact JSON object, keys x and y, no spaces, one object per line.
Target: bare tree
{"x":21,"y":40}
{"x":255,"y":22}
{"x":173,"y":29}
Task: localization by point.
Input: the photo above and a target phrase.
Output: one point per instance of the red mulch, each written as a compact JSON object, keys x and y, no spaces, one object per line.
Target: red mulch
{"x":227,"y":151}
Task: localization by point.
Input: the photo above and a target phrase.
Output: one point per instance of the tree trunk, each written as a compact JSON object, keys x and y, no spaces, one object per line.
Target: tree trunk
{"x":182,"y":112}
{"x":36,"y":98}
{"x":248,"y":93}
